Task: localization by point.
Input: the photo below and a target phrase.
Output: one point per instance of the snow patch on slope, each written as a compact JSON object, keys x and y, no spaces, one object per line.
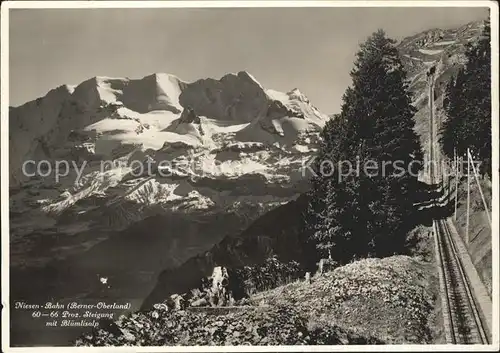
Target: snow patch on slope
{"x":444,"y":42}
{"x":430,"y":51}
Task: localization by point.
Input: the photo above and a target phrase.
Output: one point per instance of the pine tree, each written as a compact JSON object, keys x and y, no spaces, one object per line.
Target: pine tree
{"x":469,"y":105}
{"x":364,"y":214}
{"x":478,"y":93}
{"x":318,"y":219}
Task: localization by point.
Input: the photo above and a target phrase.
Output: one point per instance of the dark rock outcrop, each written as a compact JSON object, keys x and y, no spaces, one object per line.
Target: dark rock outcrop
{"x":269,"y":235}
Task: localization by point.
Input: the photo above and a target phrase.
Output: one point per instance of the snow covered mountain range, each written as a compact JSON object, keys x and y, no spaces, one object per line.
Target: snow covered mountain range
{"x":216,"y":145}
{"x":161,"y":170}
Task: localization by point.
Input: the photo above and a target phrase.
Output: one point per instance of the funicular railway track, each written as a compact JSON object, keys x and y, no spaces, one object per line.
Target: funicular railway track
{"x":463,"y":321}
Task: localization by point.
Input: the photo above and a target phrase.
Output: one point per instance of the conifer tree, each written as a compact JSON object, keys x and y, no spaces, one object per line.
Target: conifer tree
{"x":366,"y":212}
{"x":468,"y":108}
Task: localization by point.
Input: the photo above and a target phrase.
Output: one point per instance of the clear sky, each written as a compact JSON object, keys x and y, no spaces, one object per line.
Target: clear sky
{"x":284,"y":48}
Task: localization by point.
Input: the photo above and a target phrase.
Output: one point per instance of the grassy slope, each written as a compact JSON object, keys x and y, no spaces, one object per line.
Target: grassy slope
{"x":368,"y":301}
{"x":391,"y":299}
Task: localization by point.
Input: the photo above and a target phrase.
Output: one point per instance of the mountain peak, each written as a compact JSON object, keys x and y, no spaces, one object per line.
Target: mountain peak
{"x":297,"y":94}
{"x":244,"y":76}
{"x":159,"y":76}
{"x":249,"y":76}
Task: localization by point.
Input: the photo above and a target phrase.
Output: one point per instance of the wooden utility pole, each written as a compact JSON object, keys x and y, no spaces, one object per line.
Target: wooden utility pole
{"x":476,"y":176}
{"x":430,"y":79}
{"x":468,"y":197}
{"x":433,"y":121}
{"x":455,"y":157}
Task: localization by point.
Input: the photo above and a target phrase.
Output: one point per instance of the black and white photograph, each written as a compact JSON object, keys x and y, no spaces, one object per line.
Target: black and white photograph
{"x":249,"y":176}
